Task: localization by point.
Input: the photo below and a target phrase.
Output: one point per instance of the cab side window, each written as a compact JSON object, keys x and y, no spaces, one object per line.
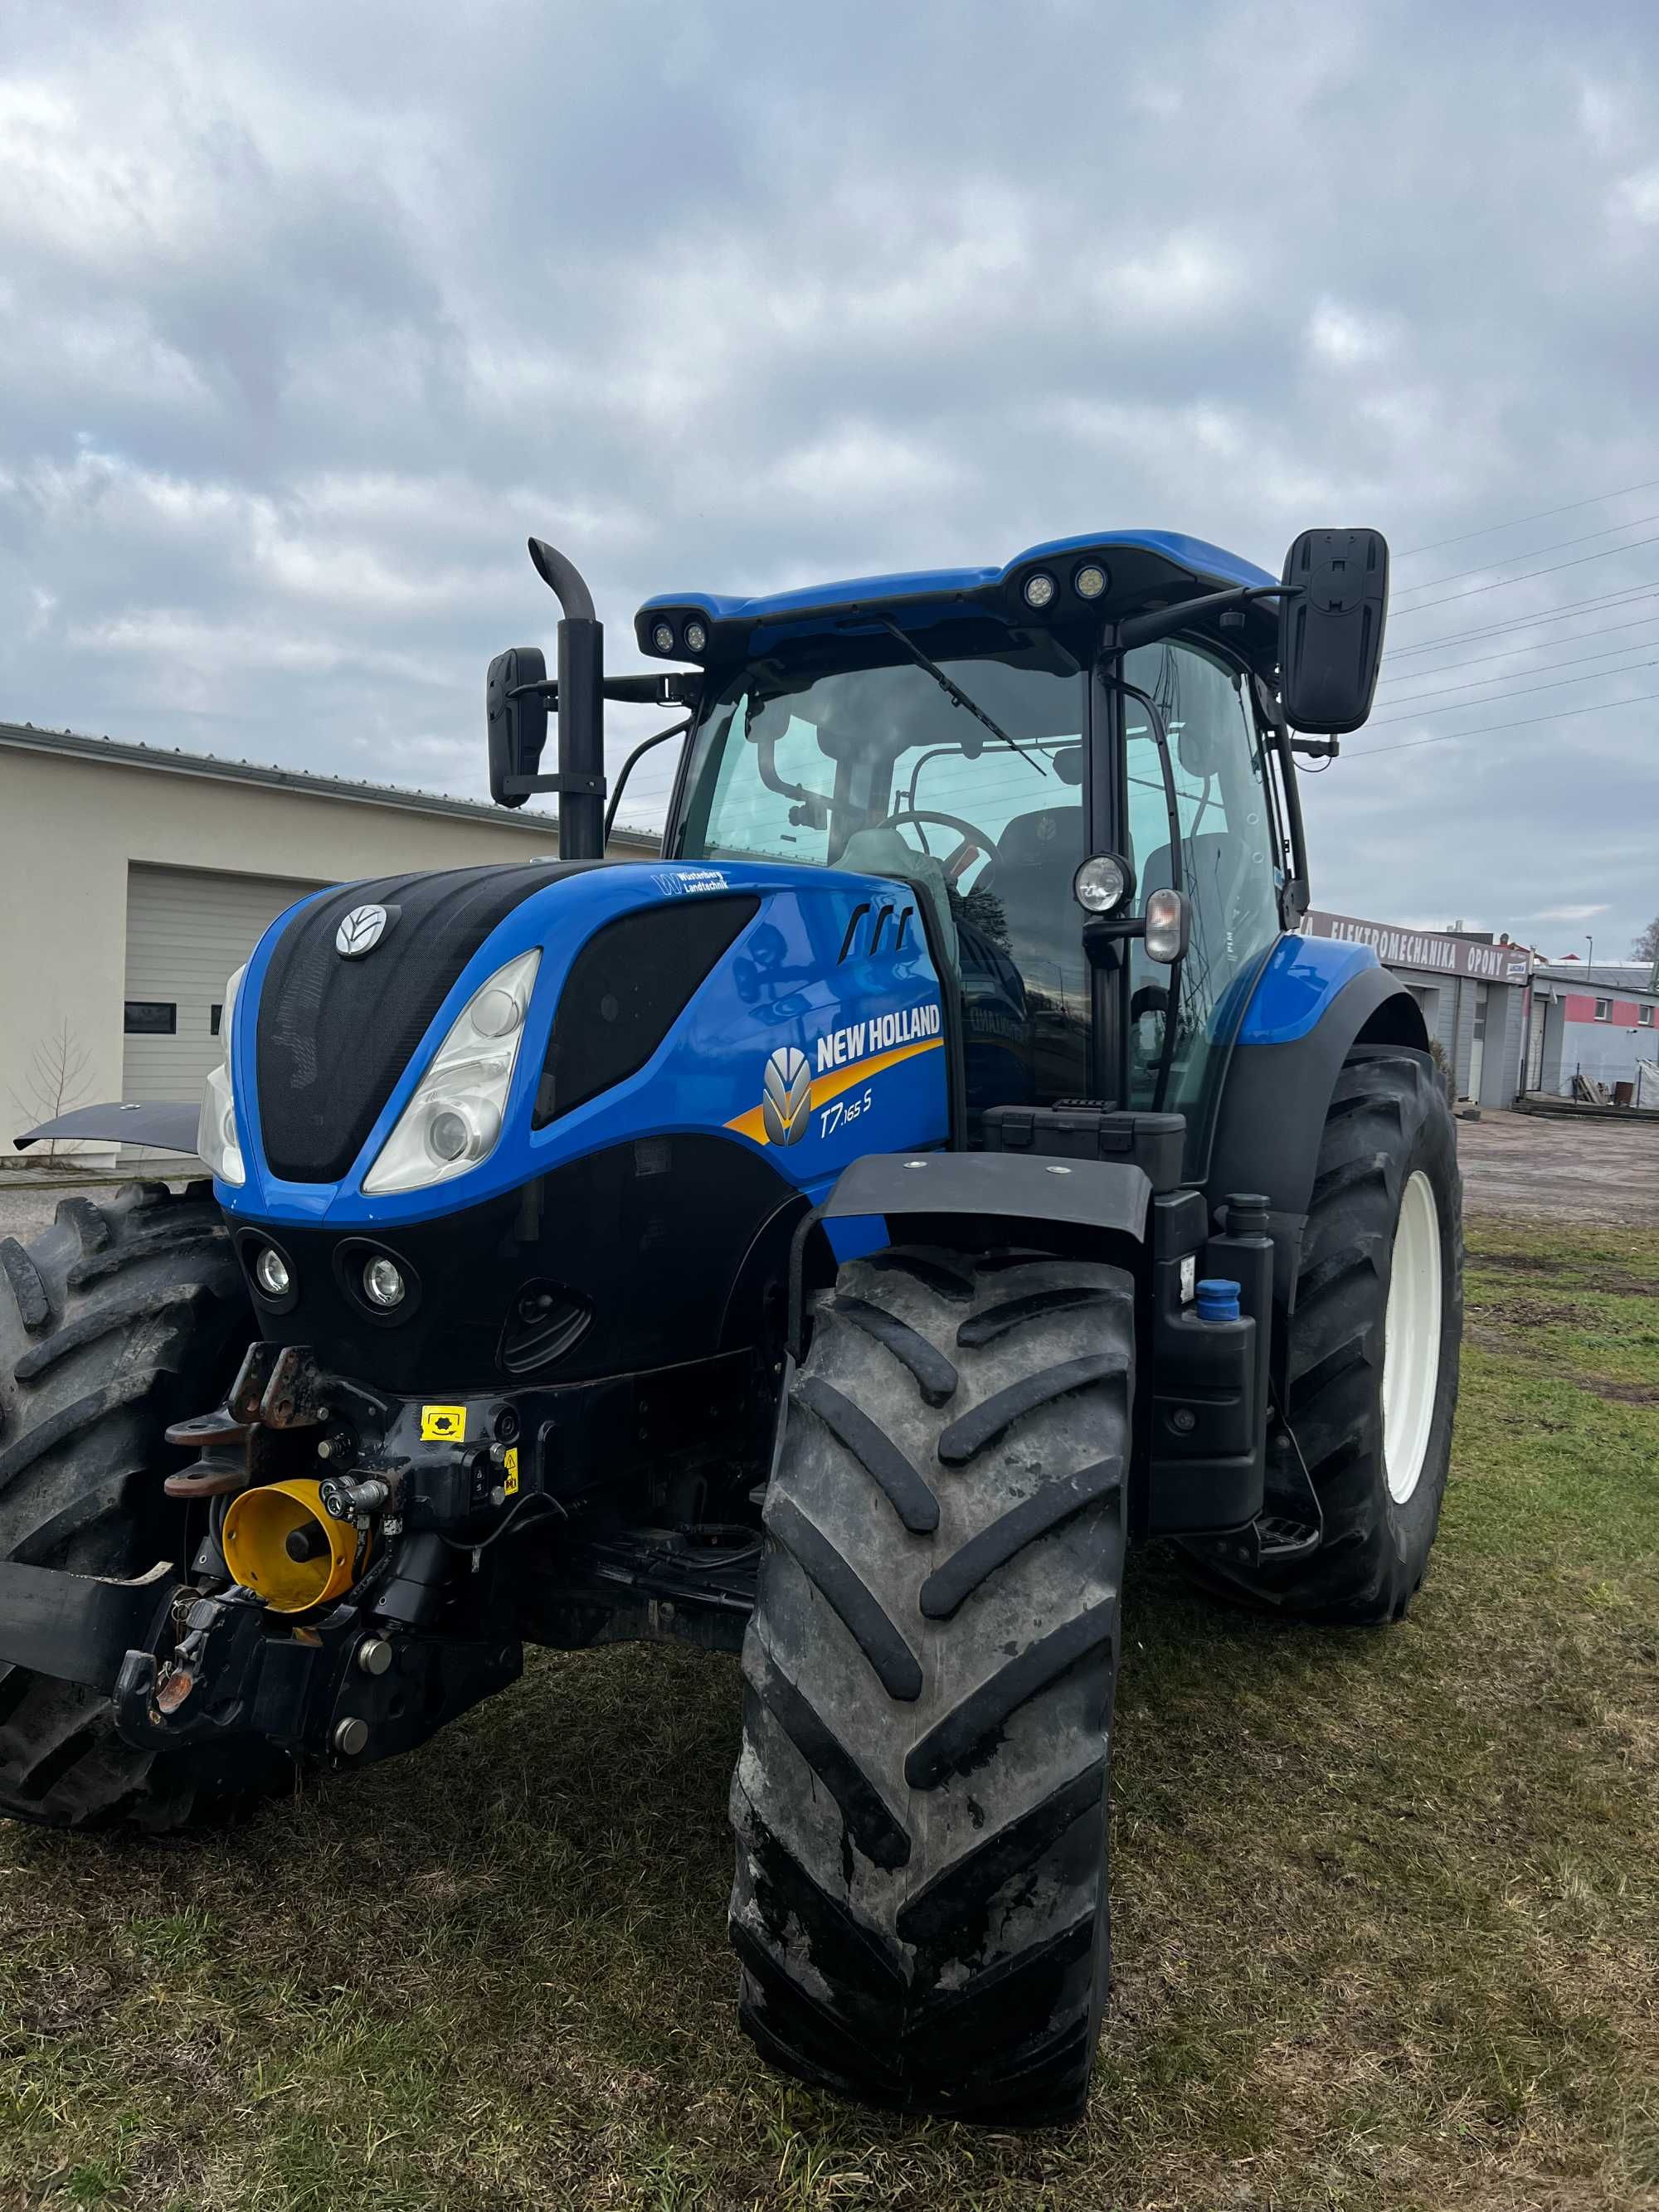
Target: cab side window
{"x":1230,"y":864}
{"x":756,"y":820}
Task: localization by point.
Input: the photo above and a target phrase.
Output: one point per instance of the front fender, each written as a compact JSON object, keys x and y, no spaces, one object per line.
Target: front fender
{"x":1015,"y":1190}
{"x":1096,"y":1209}
{"x":167,"y":1125}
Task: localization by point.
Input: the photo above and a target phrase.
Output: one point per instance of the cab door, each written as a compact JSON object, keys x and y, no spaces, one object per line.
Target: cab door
{"x":1232,"y":870}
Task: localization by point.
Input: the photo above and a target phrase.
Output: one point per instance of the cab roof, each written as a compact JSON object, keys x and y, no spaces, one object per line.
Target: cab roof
{"x":1139,"y":565}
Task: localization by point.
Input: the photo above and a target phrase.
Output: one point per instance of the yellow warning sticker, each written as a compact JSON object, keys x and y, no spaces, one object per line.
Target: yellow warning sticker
{"x":441,"y":1424}
{"x":510,"y":1471}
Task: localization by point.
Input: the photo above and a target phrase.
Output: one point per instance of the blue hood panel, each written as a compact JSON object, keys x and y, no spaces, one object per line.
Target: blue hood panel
{"x":800,"y":989}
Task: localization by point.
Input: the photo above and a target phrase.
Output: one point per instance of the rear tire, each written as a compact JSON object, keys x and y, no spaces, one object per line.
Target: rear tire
{"x":120,"y":1318}
{"x":1371,"y":1384}
{"x":920,"y":1805}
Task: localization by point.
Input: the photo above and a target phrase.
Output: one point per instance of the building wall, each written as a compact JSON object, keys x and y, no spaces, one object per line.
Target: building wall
{"x":1448,"y":1004}
{"x":1506,"y":1043}
{"x":69,"y":829}
{"x":1606,"y":1051}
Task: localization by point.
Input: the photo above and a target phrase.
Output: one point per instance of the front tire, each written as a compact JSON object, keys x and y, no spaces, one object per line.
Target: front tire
{"x":920,"y":1805}
{"x":118,"y":1319}
{"x":1371,"y":1350}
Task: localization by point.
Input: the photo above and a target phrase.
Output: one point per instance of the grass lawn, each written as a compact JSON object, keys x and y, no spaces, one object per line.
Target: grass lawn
{"x":1386,"y":1905}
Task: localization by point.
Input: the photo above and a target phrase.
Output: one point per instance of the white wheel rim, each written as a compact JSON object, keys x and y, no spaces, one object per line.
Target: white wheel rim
{"x":1410,"y":1339}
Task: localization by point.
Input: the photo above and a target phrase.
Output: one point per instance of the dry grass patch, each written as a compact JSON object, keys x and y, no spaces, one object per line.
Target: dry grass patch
{"x":1387,"y":1910}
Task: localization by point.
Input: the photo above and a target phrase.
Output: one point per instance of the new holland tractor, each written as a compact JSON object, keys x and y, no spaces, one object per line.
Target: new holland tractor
{"x":834,"y":1240}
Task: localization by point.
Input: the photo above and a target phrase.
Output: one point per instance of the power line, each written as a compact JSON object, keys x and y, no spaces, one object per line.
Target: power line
{"x":1504,"y":559}
{"x":1625,"y":596}
{"x":1522,"y":691}
{"x":1448,"y":736}
{"x":1607,"y":653}
{"x":1504,"y":582}
{"x":1543,"y":516}
{"x":1511,"y":651}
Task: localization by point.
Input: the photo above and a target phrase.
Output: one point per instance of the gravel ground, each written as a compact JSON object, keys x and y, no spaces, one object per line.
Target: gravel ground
{"x":1518,"y":1164}
{"x":1533,"y":1168}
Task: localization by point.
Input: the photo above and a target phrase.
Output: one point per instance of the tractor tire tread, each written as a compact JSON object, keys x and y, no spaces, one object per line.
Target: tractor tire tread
{"x":959,"y":1967}
{"x":905,"y":1488}
{"x":34,"y":1306}
{"x":838,"y":1580}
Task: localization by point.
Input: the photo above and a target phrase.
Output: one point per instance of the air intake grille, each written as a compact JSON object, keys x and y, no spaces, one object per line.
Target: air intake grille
{"x":334,"y":1035}
{"x":626,"y":989}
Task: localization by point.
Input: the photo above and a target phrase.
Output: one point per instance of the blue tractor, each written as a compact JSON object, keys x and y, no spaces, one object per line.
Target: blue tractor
{"x":833,"y":1242}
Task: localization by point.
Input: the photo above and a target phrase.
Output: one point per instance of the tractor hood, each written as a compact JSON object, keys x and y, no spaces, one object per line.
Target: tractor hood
{"x":793,"y":1012}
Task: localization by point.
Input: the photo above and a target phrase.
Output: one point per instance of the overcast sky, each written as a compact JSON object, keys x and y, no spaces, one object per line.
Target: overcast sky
{"x":309,"y":315}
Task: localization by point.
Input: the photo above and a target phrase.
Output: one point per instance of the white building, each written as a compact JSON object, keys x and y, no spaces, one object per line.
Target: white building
{"x":133,"y":882}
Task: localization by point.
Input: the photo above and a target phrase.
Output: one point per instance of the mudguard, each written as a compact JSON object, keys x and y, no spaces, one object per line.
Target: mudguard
{"x":167,"y":1124}
{"x":78,"y":1628}
{"x":1091,"y":1195}
{"x":1316,"y":998}
{"x":891,"y":1198}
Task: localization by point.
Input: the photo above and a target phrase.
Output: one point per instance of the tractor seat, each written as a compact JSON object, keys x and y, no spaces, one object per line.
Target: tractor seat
{"x":1030,"y":879}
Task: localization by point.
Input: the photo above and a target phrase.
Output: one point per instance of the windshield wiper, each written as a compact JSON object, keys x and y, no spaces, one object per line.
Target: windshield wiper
{"x":957,"y":696}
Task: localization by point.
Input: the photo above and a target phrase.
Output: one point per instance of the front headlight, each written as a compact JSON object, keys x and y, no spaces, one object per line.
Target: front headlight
{"x":217,"y":1140}
{"x":454,"y":1118}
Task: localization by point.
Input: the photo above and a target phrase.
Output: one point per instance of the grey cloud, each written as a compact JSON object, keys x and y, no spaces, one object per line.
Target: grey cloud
{"x":313,"y":312}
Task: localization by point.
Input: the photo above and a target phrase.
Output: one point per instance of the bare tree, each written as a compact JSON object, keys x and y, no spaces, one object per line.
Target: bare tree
{"x":1646,"y":946}
{"x":56,"y":1080}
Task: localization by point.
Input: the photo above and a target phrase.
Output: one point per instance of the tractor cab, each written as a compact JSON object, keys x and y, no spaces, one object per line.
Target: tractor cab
{"x":1079,"y":761}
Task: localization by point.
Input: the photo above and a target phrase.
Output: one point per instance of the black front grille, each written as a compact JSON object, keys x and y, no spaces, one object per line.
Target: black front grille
{"x":334,"y":1035}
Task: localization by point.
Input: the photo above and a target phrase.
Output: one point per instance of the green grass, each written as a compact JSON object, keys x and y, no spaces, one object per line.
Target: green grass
{"x":1386,"y":1905}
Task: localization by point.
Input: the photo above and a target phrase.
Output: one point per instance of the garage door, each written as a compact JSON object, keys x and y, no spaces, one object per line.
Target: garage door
{"x":186,"y":933}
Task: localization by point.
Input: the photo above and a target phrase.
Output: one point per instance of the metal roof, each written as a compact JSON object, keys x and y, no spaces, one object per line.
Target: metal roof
{"x":1630,"y":978}
{"x":69,"y":745}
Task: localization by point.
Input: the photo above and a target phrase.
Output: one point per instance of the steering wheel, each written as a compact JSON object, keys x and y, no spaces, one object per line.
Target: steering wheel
{"x":973,"y":842}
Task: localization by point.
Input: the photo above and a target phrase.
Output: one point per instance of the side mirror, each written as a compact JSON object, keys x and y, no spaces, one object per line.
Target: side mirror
{"x":517,"y":724}
{"x":1330,"y":628}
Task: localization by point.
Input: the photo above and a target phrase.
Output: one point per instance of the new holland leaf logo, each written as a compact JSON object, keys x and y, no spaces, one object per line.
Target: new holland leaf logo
{"x":360,"y":932}
{"x":786,"y":1096}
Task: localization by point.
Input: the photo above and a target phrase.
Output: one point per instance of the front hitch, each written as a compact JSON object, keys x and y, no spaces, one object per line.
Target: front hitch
{"x":343,"y":1689}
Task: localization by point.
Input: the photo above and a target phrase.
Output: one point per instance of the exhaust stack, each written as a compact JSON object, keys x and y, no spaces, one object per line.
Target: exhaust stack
{"x":517,"y":696}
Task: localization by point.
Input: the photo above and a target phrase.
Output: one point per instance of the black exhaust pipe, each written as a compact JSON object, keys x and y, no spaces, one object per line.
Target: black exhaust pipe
{"x":580,"y":779}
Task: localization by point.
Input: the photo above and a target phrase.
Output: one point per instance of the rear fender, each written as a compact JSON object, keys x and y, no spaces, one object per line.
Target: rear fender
{"x":1317,"y":999}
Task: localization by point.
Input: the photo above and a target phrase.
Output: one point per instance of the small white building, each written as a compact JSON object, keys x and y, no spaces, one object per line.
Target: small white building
{"x":1600,"y":1022}
{"x":133,"y":882}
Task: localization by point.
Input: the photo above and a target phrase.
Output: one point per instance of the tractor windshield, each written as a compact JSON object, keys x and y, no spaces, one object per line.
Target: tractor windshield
{"x":965,"y":776}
